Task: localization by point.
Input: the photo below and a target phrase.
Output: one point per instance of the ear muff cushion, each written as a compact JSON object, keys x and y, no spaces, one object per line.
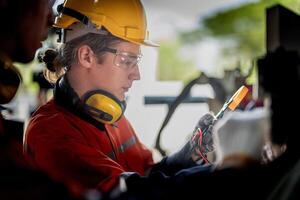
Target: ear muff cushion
{"x":103,"y":106}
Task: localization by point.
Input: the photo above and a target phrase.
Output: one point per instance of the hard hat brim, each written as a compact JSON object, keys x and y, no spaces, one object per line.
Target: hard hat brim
{"x":150,"y":43}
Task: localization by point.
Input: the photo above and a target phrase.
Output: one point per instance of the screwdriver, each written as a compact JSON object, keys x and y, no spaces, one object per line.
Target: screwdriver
{"x":232,"y":103}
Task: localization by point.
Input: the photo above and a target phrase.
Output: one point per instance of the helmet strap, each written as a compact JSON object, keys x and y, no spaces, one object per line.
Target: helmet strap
{"x":76,"y":30}
{"x":73,"y":13}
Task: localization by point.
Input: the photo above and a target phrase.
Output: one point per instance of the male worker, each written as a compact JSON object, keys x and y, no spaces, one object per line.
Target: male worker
{"x":81,"y":137}
{"x":24,"y":25}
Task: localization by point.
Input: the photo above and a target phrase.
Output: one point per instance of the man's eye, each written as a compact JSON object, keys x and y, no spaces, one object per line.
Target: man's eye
{"x":129,"y":62}
{"x":126,"y":61}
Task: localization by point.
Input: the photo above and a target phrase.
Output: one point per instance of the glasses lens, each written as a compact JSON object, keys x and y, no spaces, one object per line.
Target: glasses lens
{"x":126,"y":61}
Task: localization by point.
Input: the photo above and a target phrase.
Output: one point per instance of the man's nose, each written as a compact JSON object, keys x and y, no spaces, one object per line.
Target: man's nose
{"x":135,"y":74}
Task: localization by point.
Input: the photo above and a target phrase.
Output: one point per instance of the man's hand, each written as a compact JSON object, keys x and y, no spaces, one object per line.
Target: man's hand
{"x":202,"y":137}
{"x":200,"y":143}
{"x":202,"y":140}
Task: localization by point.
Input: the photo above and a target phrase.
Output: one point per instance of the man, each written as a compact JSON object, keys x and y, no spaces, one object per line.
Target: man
{"x":82,"y":136}
{"x":24,"y":25}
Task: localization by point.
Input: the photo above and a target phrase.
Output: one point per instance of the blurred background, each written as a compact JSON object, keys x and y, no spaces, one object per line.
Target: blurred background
{"x":216,"y":41}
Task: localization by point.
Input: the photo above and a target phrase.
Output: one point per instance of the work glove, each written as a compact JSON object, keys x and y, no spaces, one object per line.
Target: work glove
{"x":202,"y":139}
{"x":241,"y":136}
{"x":196,"y":148}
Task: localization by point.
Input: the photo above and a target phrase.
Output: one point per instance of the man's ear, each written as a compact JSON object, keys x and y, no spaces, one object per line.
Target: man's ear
{"x":85,"y":56}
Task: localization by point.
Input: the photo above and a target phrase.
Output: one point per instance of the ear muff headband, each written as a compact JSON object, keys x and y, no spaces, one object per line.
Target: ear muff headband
{"x":103,"y":106}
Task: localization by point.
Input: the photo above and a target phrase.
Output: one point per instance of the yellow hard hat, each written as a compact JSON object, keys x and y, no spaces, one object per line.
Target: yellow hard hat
{"x":125,"y":19}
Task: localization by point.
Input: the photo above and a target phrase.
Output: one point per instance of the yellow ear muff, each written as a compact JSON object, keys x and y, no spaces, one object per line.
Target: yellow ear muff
{"x":103,"y":106}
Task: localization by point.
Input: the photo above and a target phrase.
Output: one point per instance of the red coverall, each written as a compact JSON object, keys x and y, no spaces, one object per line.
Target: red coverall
{"x":75,"y":152}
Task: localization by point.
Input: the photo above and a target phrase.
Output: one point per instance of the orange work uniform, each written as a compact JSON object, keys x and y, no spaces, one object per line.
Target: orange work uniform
{"x":73,"y":151}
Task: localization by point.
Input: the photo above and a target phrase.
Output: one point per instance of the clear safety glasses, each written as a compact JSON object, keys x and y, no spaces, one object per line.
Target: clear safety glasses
{"x":125,"y":59}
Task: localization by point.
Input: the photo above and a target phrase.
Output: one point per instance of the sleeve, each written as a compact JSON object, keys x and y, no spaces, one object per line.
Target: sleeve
{"x":60,"y":151}
{"x":175,"y":162}
{"x":170,"y":165}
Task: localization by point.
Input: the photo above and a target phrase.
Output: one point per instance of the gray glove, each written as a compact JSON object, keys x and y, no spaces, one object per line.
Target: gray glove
{"x":197,"y":147}
{"x":202,"y":140}
{"x":202,"y":137}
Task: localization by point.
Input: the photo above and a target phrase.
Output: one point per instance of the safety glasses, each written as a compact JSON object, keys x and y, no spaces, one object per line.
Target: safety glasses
{"x":125,"y":59}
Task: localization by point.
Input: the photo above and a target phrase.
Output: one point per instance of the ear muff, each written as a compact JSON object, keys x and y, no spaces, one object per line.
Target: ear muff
{"x":103,"y":106}
{"x":10,"y":80}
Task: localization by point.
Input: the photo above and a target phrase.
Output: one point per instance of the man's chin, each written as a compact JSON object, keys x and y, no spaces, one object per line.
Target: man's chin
{"x":121,"y":97}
